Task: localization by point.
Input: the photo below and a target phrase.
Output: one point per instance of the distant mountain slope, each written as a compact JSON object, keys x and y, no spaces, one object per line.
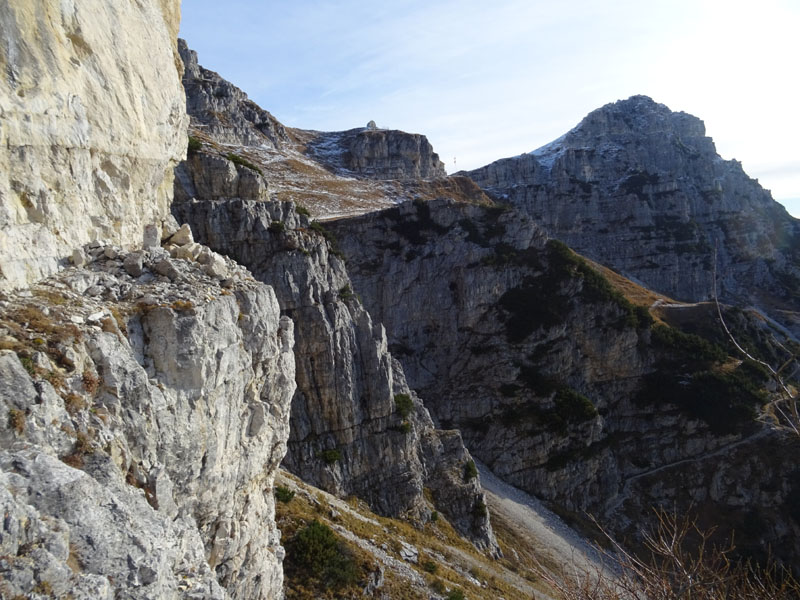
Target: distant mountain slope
{"x":642,"y":189}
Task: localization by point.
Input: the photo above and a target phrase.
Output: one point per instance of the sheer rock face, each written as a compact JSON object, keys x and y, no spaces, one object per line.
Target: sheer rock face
{"x":93,"y":123}
{"x":170,"y":414}
{"x":222,"y":111}
{"x":378,"y":154}
{"x":348,"y":434}
{"x":641,"y":188}
{"x":496,"y":328}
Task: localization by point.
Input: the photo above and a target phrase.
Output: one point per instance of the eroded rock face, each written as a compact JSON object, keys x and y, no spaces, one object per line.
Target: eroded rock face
{"x":641,"y":188}
{"x":515,"y":343}
{"x":165,"y":395}
{"x":93,"y":123}
{"x":378,"y":154}
{"x":223,"y":111}
{"x":348,"y":432}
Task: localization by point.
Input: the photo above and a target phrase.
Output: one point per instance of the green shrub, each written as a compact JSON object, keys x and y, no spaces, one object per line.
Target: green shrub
{"x":194,"y":145}
{"x":479,"y":509}
{"x":315,"y":552}
{"x":437,"y":585}
{"x":429,"y":566}
{"x":405,"y":427}
{"x":403,"y":404}
{"x":302,"y":210}
{"x":330,"y":456}
{"x":574,"y":407}
{"x":276,"y":227}
{"x":434,"y":517}
{"x":686,"y":346}
{"x":470,"y":470}
{"x":456,"y":594}
{"x":345,"y":293}
{"x":240,"y":160}
{"x":283,"y":494}
{"x":333,"y":243}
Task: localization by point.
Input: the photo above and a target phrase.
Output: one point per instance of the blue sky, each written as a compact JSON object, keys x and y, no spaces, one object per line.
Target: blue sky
{"x":488,"y":80}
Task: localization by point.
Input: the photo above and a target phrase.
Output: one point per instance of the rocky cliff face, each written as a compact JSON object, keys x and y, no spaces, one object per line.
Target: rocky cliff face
{"x":224,"y":112}
{"x":556,"y":382}
{"x":356,"y":427}
{"x":93,"y":123}
{"x":378,"y":154}
{"x":144,"y":407}
{"x":641,"y":189}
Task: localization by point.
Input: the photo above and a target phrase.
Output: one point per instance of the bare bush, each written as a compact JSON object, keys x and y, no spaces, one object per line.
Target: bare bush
{"x":679,"y":562}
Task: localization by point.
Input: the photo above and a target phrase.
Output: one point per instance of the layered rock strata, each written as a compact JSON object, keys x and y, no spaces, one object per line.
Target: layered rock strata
{"x":93,"y":123}
{"x":144,"y":409}
{"x":222,"y":111}
{"x":557,"y":383}
{"x":356,"y":427}
{"x":642,"y":189}
{"x":378,"y":154}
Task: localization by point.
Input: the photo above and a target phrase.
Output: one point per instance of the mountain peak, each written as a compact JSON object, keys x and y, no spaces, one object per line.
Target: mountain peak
{"x":635,"y":116}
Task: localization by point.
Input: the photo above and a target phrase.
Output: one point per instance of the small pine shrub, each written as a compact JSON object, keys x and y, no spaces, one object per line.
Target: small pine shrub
{"x":456,"y":594}
{"x":194,"y":146}
{"x":405,"y":427}
{"x":27,"y":364}
{"x":315,"y":552}
{"x":302,"y":210}
{"x":283,"y":494}
{"x":429,"y":566}
{"x":330,"y":456}
{"x":240,"y":160}
{"x":277,"y":227}
{"x":434,"y":517}
{"x":470,"y":470}
{"x":403,"y":404}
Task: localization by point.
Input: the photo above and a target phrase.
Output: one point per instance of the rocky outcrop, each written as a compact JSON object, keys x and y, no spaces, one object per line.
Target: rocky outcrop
{"x":556,"y":382}
{"x":378,"y":154}
{"x":93,"y":125}
{"x":205,"y":175}
{"x":641,"y":188}
{"x":223,"y":112}
{"x":142,"y":421}
{"x":356,"y":427}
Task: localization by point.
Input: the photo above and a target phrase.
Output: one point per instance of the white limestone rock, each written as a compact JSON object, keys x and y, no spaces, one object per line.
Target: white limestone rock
{"x":94,"y":122}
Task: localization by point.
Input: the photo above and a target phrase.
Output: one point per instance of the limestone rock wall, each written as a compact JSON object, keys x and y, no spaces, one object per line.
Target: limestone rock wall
{"x":642,"y":189}
{"x":502,"y":332}
{"x":144,"y":410}
{"x":378,"y":154}
{"x":92,"y":123}
{"x":222,"y":111}
{"x":348,"y":434}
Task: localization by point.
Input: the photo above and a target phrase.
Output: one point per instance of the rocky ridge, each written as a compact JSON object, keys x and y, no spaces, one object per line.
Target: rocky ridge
{"x":642,"y":189}
{"x":137,"y":460}
{"x":350,"y":433}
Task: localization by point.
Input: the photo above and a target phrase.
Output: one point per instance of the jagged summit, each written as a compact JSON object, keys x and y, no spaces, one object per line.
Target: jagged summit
{"x":634,"y":116}
{"x":642,"y":189}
